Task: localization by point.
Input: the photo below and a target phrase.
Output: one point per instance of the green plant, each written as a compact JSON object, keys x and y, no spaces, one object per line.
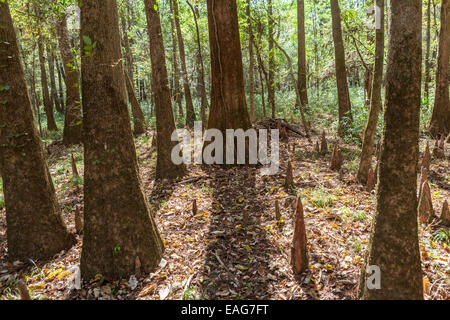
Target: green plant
{"x":116,"y":250}
{"x":322,"y":198}
{"x":357,"y":246}
{"x":76,"y":181}
{"x":348,"y":214}
{"x":442,"y":235}
{"x":189,"y":294}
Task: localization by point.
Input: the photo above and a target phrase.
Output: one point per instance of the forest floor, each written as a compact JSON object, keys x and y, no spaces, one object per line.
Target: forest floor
{"x":214,"y":255}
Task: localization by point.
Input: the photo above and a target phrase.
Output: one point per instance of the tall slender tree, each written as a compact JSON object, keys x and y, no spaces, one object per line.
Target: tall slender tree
{"x":136,"y":111}
{"x":51,"y":70}
{"x":200,"y":66}
{"x":251,"y":58}
{"x":440,"y":119}
{"x":375,"y":100}
{"x":228,"y":102}
{"x":427,"y":76}
{"x":393,"y":254}
{"x":48,"y":106}
{"x":190,"y":113}
{"x":60,"y":85}
{"x":345,"y":112}
{"x":35,"y":228}
{"x":176,"y":70}
{"x":119,"y":227}
{"x":165,"y":123}
{"x":302,"y":83}
{"x":73,"y":121}
{"x":271,"y":72}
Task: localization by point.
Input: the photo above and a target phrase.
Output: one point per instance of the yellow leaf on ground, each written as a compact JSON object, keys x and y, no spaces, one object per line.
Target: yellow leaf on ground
{"x":426,"y":286}
{"x":53,"y":274}
{"x":64,"y":274}
{"x":37,"y":286}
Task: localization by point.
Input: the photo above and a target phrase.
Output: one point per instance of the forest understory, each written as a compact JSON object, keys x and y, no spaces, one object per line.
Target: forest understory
{"x":232,"y":246}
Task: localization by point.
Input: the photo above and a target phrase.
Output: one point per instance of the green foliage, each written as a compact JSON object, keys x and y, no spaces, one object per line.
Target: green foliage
{"x":442,"y":235}
{"x":350,"y":214}
{"x":321,"y":198}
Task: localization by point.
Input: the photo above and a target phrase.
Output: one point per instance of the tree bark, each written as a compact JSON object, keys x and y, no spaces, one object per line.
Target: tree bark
{"x":440,"y":119}
{"x":228,"y":103}
{"x":176,"y":70}
{"x":60,"y":86}
{"x":201,"y":67}
{"x":119,"y":227}
{"x":251,"y":66}
{"x":165,"y":123}
{"x":51,"y":124}
{"x":73,"y":126}
{"x":51,"y":69}
{"x":190,"y":113}
{"x":35,"y":228}
{"x":427,"y":77}
{"x":345,"y":112}
{"x":394,"y":243}
{"x":262,"y":69}
{"x":302,"y":82}
{"x":271,"y":84}
{"x":136,"y":111}
{"x":375,"y":102}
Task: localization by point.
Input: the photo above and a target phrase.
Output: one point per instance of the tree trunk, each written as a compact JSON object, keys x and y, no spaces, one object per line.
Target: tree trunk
{"x":394,"y":243}
{"x":60,"y":86}
{"x":440,"y":120}
{"x":51,"y":69}
{"x":251,"y":66}
{"x":136,"y":111}
{"x":119,"y":227}
{"x":51,"y":124}
{"x":271,"y":84}
{"x":228,"y":102}
{"x":73,"y":122}
{"x":262,"y":69}
{"x":345,"y":112}
{"x":176,"y":70}
{"x":165,"y":123}
{"x":128,"y":54}
{"x":35,"y":228}
{"x":427,"y":77}
{"x":375,"y":102}
{"x":302,"y":82}
{"x":190,"y":113}
{"x":201,"y":67}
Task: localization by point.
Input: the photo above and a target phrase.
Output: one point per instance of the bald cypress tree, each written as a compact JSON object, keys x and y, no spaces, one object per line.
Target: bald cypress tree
{"x":302,"y":82}
{"x":35,"y":228}
{"x":228,"y":108}
{"x":375,"y":102}
{"x":119,"y":227}
{"x":344,"y":107}
{"x":440,"y":120}
{"x":394,"y":243}
{"x":73,"y":120}
{"x":165,"y":123}
{"x":190,"y":113}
